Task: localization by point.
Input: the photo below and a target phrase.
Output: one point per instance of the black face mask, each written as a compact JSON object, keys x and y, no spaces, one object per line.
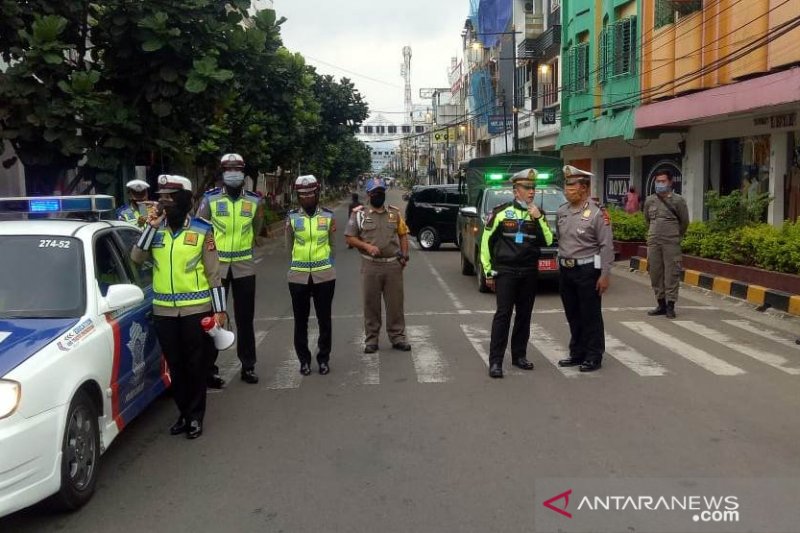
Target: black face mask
{"x":377,"y":199}
{"x":176,"y":211}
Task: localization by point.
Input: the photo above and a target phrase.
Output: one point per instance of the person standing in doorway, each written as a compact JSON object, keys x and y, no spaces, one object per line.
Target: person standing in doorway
{"x":632,"y":200}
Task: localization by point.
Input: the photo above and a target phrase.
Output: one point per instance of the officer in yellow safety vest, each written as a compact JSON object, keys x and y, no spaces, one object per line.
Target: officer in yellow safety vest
{"x":237,"y":216}
{"x":136,"y":210}
{"x":309,"y":237}
{"x":187,"y":288}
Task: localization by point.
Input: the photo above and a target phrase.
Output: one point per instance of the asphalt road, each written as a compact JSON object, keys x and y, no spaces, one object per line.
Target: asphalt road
{"x":426,"y":441}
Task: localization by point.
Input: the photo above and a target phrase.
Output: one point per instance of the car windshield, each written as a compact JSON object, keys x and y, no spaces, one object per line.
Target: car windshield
{"x":547,"y":198}
{"x":42,"y":277}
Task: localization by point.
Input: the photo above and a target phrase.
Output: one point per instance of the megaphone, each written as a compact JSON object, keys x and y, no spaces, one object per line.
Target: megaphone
{"x":223,"y":339}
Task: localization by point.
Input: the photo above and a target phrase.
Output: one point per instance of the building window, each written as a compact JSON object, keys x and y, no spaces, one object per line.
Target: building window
{"x":392,"y":129}
{"x":380,"y":129}
{"x":419,"y":129}
{"x":669,"y":11}
{"x":406,"y":129}
{"x":578,"y":68}
{"x":367,"y":129}
{"x":548,"y":83}
{"x":617,"y":49}
{"x":555,"y":4}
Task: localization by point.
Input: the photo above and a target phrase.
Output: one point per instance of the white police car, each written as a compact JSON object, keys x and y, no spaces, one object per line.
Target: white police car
{"x":79,"y":357}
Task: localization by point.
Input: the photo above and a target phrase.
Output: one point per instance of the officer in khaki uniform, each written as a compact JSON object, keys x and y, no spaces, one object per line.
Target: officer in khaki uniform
{"x":381,"y":236}
{"x":585,"y":256}
{"x":667,"y":215}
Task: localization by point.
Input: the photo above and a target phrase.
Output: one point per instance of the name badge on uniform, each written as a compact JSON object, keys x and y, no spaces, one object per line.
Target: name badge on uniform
{"x":518,"y":238}
{"x":221,"y":208}
{"x":587,"y":213}
{"x":247,"y":209}
{"x":392,"y":217}
{"x":190,"y":239}
{"x":322,"y":223}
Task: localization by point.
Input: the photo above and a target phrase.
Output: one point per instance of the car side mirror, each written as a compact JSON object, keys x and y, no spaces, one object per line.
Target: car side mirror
{"x":120,"y":296}
{"x":469,"y":211}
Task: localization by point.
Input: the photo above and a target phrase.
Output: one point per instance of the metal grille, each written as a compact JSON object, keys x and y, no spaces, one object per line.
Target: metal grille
{"x":668,"y":11}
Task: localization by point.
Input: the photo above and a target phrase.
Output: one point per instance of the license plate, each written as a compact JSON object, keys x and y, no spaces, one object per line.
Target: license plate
{"x":547,"y":264}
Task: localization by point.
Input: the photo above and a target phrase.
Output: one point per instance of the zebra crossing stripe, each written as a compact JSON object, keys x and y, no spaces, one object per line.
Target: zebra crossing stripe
{"x":772,"y":359}
{"x":697,"y":356}
{"x":774,"y":336}
{"x":369,"y":371}
{"x":638,"y":363}
{"x":544,"y":343}
{"x":429,"y":364}
{"x":287,"y":375}
{"x":480,"y":337}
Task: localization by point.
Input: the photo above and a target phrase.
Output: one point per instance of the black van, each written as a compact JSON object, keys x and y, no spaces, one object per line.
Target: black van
{"x":431,"y":214}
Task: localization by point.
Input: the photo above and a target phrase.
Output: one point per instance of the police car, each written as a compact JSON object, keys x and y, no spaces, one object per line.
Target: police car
{"x":79,"y":357}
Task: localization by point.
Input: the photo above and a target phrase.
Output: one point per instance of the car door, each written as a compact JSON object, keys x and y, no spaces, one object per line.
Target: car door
{"x":423,"y":212}
{"x":447,"y":216}
{"x":139,"y":369}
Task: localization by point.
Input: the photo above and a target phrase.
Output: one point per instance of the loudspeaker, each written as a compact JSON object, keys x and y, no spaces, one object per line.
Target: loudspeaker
{"x":223,"y":339}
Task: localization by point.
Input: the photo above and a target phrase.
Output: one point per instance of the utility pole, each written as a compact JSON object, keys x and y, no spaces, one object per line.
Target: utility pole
{"x":514,"y":86}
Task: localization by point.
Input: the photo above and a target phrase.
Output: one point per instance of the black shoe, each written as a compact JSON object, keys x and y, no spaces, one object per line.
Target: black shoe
{"x":522,"y":363}
{"x":403,"y":346}
{"x":570,"y":361}
{"x":215,"y":382}
{"x":194,"y":429}
{"x":370,"y":348}
{"x":305,"y":369}
{"x":249,"y":376}
{"x":324,"y":368}
{"x":590,"y":366}
{"x":178,"y":427}
{"x":671,"y":310}
{"x":495,"y":370}
{"x":661,"y":309}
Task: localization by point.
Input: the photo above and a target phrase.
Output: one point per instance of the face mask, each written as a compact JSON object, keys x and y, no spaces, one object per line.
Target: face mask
{"x":523,"y":204}
{"x":662,"y":187}
{"x":377,"y":199}
{"x":233,"y":178}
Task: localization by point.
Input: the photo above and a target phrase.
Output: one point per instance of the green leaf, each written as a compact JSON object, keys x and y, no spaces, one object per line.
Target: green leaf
{"x":47,"y":29}
{"x":53,"y":59}
{"x":222,"y":75}
{"x":161,"y":108}
{"x":195,"y":84}
{"x":64,"y":86}
{"x":152,"y":45}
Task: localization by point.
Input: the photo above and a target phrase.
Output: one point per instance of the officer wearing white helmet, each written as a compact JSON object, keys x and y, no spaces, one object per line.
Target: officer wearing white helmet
{"x":136,"y":210}
{"x":237,"y":216}
{"x":309,"y":237}
{"x":186,"y":289}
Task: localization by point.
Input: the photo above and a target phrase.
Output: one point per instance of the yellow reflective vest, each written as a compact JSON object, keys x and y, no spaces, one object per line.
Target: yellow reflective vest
{"x":311,"y":250}
{"x":179,"y":276}
{"x":233,"y":224}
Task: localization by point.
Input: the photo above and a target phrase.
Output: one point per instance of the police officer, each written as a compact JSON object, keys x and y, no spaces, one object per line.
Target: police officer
{"x":309,"y":236}
{"x":135,"y":211}
{"x":585,"y":256}
{"x":187,"y":288}
{"x":237,"y":216}
{"x":510,"y":249}
{"x":668,"y":217}
{"x":381,"y":236}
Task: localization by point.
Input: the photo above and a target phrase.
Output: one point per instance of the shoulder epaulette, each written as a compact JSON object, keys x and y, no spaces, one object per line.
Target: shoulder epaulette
{"x":389,"y":206}
{"x":200,"y":224}
{"x":293,"y":211}
{"x":501,"y":207}
{"x":358,"y":208}
{"x":212,"y":192}
{"x":327,"y":210}
{"x":252,"y":195}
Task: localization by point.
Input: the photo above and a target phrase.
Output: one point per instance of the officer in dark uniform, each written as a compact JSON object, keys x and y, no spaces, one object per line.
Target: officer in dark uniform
{"x":510,"y":248}
{"x":585,"y":256}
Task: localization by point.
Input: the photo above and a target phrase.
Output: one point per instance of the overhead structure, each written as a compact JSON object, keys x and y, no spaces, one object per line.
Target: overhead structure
{"x":406,"y":74}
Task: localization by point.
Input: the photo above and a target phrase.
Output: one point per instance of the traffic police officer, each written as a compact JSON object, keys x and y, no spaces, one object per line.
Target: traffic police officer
{"x":668,"y":217}
{"x":187,"y":288}
{"x":135,"y":212}
{"x":237,"y":216}
{"x":381,"y":236}
{"x":585,"y":256}
{"x":309,"y":236}
{"x":510,"y":248}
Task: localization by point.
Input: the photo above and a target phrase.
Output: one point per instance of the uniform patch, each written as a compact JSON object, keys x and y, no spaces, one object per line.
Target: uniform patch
{"x":299,"y":224}
{"x":221,"y":209}
{"x":247,"y":209}
{"x":587,"y":213}
{"x":190,"y":238}
{"x":322,"y":223}
{"x":392,"y":217}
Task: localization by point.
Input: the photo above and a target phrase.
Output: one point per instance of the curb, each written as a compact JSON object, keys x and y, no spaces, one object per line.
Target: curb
{"x":762,"y":297}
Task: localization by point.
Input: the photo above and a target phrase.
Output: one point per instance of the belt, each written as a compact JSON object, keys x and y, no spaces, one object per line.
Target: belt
{"x":379,"y":259}
{"x":571,"y":263}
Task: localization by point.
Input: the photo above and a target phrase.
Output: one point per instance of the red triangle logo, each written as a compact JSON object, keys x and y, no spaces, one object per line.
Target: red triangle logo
{"x":560,"y":510}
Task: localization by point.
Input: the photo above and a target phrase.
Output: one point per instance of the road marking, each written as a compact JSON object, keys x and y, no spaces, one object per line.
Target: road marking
{"x":447,"y":290}
{"x":687,"y":351}
{"x":287,"y":375}
{"x":369,"y":370}
{"x":774,"y":336}
{"x":545,"y":344}
{"x":769,"y":358}
{"x":638,"y":363}
{"x":479,"y":337}
{"x":428,"y":361}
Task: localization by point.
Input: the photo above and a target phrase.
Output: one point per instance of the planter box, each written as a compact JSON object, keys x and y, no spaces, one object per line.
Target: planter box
{"x":627,"y":249}
{"x":754,"y":276}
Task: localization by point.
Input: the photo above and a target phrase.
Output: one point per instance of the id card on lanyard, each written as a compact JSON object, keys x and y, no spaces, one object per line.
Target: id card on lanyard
{"x":518,"y":236}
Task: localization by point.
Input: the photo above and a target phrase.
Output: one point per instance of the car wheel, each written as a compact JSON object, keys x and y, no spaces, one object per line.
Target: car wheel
{"x":466,"y":267}
{"x":428,"y":238}
{"x":80,"y":454}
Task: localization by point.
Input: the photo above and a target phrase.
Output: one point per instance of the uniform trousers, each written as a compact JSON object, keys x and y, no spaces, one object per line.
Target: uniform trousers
{"x":664,"y":263}
{"x":186,"y":348}
{"x":383,"y":280}
{"x":244,"y":303}
{"x":515,"y":292}
{"x":582,"y":305}
{"x":322,"y":293}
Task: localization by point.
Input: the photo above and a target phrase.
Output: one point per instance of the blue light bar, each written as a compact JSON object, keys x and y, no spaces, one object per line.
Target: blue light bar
{"x":94,"y":204}
{"x":44,"y":206}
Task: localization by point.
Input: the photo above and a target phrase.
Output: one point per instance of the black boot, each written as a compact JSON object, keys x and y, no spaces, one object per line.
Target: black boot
{"x":671,"y":310}
{"x":660,"y":310}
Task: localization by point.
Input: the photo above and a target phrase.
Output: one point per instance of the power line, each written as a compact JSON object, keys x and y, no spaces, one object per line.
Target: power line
{"x":352,"y":72}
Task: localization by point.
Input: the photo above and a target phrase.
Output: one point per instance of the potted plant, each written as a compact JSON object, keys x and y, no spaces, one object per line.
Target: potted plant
{"x":629,"y":230}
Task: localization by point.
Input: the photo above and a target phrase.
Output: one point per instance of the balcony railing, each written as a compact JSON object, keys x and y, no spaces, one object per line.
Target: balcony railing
{"x":546,"y":46}
{"x":549,"y":93}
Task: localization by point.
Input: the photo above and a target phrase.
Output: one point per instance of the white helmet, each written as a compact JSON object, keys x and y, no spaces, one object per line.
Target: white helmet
{"x":231,"y":161}
{"x":137,"y":185}
{"x":306,"y":184}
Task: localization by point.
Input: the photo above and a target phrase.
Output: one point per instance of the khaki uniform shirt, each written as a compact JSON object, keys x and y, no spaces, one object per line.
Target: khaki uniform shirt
{"x":665,"y":227}
{"x":585,"y":231}
{"x":378,"y":227}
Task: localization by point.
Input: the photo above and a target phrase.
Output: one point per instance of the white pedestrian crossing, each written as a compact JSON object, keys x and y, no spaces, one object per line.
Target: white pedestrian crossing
{"x":368,"y":371}
{"x":767,"y":333}
{"x":429,"y":364}
{"x":479,"y":337}
{"x":697,"y":356}
{"x":631,"y":358}
{"x":543,"y":342}
{"x":287,"y":375}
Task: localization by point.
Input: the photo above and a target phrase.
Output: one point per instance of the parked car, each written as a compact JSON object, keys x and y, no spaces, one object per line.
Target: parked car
{"x":431,"y":214}
{"x":79,"y":358}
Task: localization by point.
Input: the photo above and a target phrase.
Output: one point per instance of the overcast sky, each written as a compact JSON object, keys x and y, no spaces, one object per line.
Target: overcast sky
{"x":367,"y":38}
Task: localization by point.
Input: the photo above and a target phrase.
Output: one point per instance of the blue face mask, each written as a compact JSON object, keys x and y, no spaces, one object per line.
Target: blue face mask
{"x":233,"y":178}
{"x":662,"y":187}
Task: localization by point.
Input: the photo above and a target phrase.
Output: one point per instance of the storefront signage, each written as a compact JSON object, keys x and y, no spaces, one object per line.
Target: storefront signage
{"x":496,"y":124}
{"x":549,"y":116}
{"x":616,"y":188}
{"x":785,"y":120}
